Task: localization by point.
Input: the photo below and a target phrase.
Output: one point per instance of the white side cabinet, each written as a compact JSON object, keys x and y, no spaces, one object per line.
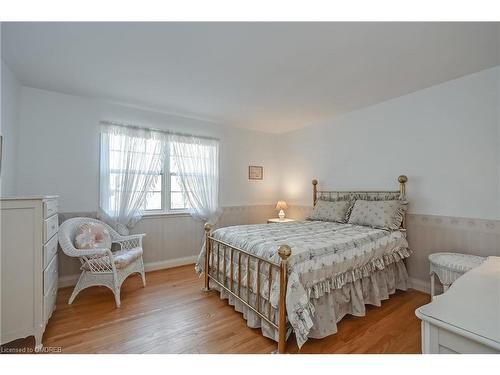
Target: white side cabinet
{"x":29,"y":269}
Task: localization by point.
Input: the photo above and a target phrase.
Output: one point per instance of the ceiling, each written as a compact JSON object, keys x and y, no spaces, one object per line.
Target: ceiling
{"x":273,"y":77}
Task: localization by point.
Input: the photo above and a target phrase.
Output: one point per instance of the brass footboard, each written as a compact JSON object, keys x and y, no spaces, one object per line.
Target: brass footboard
{"x":214,"y":249}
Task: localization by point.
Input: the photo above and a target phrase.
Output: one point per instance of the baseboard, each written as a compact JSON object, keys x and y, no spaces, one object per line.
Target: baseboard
{"x":423,"y":286}
{"x":70,"y":280}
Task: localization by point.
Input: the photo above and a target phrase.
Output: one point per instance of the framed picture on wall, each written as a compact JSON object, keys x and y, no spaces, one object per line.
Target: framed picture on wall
{"x":255,"y":172}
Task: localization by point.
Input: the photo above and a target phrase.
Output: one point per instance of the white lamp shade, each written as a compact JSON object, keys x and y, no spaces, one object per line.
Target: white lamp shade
{"x":281,"y":205}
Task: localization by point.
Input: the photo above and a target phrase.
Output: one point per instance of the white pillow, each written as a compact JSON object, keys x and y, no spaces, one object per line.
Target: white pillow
{"x":336,"y":211}
{"x":92,"y":236}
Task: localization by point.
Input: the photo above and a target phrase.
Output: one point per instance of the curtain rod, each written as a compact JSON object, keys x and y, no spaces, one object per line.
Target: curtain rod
{"x":156,"y":129}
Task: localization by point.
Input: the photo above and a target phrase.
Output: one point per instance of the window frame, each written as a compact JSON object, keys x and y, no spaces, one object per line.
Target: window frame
{"x":165,"y":209}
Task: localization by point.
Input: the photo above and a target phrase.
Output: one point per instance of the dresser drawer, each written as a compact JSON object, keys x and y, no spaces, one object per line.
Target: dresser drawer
{"x":49,"y":301}
{"x":50,"y":227}
{"x":50,"y":275}
{"x":49,"y":250}
{"x":50,"y":207}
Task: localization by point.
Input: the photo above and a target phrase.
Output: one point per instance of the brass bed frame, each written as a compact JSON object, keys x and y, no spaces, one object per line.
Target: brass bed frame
{"x":214,"y":248}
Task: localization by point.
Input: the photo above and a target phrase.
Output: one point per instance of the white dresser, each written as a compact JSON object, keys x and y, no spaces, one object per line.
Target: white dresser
{"x":465,"y":319}
{"x":29,"y":272}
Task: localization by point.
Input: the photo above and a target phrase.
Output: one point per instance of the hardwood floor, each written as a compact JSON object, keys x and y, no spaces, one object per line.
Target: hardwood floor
{"x":172,"y":315}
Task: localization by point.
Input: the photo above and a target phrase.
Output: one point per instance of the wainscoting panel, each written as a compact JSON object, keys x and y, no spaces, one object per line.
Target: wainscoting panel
{"x":171,"y":240}
{"x":170,"y":237}
{"x":237,"y":215}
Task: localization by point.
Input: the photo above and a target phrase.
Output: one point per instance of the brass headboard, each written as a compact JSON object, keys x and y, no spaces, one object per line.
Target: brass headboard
{"x":333,"y":195}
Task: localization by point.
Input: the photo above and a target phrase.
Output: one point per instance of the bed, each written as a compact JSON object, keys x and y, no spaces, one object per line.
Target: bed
{"x":303,"y":277}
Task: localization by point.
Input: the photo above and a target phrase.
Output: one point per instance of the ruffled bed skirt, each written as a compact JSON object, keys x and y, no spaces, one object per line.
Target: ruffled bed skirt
{"x":332,"y":306}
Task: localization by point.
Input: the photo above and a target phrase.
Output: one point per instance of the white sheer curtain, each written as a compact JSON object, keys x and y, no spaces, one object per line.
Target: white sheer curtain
{"x":197,"y":161}
{"x":132,"y":160}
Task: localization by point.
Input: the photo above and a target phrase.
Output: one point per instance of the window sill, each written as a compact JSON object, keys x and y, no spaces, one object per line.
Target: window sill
{"x":151,"y":215}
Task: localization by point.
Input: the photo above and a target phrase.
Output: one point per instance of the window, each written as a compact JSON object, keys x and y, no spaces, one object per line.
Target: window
{"x":165,"y":195}
{"x":139,"y":173}
{"x":121,"y":157}
{"x":198,"y":160}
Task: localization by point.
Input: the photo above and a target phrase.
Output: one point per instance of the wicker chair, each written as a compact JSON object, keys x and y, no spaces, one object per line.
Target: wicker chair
{"x":103,"y":266}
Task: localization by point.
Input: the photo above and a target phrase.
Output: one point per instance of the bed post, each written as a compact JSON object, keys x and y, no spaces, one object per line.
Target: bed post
{"x":284,"y":252}
{"x":315,"y":191}
{"x":208,"y":227}
{"x":402,"y":194}
{"x":402,"y":186}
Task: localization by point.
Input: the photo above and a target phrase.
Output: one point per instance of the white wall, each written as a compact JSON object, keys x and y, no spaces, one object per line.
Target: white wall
{"x":444,"y":138}
{"x":59,"y":149}
{"x":9,"y":129}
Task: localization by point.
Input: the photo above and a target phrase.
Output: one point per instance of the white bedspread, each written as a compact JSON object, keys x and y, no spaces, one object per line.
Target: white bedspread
{"x":325,"y":256}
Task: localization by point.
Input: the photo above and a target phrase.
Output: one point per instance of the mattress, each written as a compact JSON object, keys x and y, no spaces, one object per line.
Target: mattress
{"x":326,"y":258}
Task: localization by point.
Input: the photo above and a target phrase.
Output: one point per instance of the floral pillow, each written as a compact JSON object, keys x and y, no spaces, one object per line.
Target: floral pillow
{"x":92,"y":236}
{"x":378,"y":214}
{"x":337,"y":211}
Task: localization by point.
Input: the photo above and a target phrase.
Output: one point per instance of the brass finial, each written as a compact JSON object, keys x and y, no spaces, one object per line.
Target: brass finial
{"x":208,"y":227}
{"x":402,"y":179}
{"x":315,"y":182}
{"x":284,"y":251}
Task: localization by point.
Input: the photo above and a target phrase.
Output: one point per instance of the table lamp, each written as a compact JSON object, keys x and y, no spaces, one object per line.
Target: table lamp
{"x":281,"y":205}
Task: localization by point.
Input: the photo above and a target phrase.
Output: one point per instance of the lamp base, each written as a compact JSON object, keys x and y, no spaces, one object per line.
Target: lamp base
{"x":281,"y":215}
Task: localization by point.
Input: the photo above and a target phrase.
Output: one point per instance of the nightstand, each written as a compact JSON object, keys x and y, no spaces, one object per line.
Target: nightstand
{"x":450,"y":266}
{"x":277,"y":220}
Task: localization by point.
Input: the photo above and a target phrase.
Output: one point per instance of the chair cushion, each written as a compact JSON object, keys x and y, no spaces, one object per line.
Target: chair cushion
{"x":123,"y":258}
{"x":92,"y":236}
